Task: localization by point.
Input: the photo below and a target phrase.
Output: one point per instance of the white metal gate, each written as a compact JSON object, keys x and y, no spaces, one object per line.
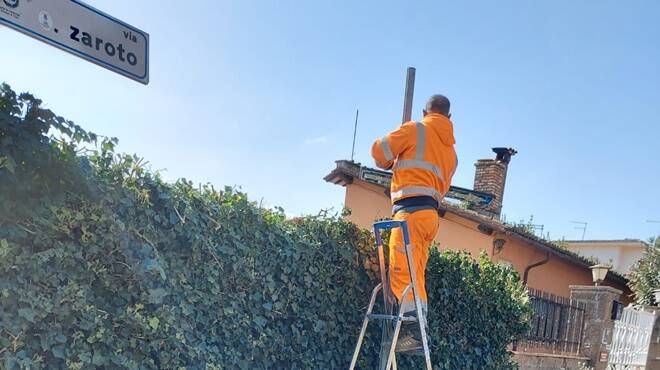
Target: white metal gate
{"x":631,"y":339}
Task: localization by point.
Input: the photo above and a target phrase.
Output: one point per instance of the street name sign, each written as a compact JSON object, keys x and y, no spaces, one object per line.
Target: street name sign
{"x":79,"y":29}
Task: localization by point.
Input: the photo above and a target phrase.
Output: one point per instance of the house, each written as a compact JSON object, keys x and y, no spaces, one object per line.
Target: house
{"x":621,"y":254}
{"x":475,"y":226}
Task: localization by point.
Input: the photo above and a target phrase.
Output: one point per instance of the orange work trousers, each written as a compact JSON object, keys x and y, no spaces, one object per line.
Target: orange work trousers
{"x":422,"y":227}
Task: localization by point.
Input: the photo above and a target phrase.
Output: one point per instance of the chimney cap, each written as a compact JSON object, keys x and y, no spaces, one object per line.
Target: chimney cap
{"x":504,"y":154}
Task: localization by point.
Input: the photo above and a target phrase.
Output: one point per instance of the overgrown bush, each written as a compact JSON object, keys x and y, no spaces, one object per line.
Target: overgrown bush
{"x":104,"y":265}
{"x":645,"y":275}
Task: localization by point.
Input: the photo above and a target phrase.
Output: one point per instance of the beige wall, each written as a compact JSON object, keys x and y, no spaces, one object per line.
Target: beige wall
{"x":630,"y":257}
{"x":604,"y":255}
{"x":622,"y":255}
{"x":369,"y":203}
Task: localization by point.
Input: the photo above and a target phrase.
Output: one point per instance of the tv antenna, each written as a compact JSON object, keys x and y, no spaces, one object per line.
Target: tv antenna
{"x":357,"y":113}
{"x":537,"y":228}
{"x":656,"y":236}
{"x":583,"y":227}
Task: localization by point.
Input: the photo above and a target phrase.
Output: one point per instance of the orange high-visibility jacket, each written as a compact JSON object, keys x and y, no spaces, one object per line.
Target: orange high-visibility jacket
{"x":421,"y":155}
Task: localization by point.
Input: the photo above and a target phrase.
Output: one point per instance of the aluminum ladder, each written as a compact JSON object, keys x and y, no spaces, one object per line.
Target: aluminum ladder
{"x":391,"y":324}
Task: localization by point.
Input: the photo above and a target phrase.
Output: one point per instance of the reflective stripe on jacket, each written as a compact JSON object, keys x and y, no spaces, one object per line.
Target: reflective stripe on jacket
{"x":421,"y":155}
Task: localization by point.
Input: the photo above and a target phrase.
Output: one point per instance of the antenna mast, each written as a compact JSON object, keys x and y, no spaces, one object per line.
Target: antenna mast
{"x":357,"y":113}
{"x":583,"y":227}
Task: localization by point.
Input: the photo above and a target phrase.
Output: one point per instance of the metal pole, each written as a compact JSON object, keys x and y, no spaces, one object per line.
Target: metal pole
{"x":408,"y":97}
{"x":357,"y":112}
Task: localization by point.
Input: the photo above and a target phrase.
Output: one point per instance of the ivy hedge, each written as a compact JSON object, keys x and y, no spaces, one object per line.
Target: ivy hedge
{"x":105,"y":265}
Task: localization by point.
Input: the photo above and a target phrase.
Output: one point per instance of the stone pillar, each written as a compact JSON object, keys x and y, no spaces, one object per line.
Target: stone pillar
{"x":598,"y":323}
{"x":653,"y":361}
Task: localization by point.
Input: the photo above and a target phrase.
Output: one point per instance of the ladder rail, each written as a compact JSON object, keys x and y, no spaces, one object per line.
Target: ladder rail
{"x":418,"y":308}
{"x":365,"y":322}
{"x":384,"y":277}
{"x":388,"y":303}
{"x":388,"y":300}
{"x":397,"y":329}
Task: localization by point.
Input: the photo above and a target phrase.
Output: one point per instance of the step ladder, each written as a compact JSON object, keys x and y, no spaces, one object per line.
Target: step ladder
{"x":391,"y":324}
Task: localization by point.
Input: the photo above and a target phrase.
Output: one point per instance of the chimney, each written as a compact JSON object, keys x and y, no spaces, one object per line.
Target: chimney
{"x":490,"y":177}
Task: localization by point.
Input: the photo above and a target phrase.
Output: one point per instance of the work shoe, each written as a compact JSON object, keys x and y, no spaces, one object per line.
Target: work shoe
{"x":409,"y":338}
{"x":409,"y":344}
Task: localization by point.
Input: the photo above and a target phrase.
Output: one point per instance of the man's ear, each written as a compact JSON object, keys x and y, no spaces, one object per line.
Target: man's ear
{"x":424,"y":112}
{"x":449,"y":115}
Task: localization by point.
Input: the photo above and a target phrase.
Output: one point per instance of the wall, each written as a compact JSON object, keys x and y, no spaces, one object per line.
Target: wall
{"x":598,"y":324}
{"x":653,"y":361}
{"x":457,"y":233}
{"x":630,"y":256}
{"x":368,"y":203}
{"x":553,"y":277}
{"x":540,"y":361}
{"x":623,"y":254}
{"x":605,"y":254}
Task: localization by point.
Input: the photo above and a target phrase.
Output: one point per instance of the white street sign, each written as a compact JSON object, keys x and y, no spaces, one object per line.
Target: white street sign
{"x":76,"y":27}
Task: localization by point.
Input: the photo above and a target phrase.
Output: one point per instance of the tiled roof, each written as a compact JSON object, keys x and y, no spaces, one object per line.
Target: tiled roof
{"x":346,"y":171}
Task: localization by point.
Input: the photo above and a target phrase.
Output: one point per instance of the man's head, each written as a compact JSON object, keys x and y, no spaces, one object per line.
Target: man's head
{"x":437,"y":104}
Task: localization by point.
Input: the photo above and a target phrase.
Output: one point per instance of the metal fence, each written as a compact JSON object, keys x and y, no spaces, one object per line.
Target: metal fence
{"x":557,"y":325}
{"x":631,"y":339}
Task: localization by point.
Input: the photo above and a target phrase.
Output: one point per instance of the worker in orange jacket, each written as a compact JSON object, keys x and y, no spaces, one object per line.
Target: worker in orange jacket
{"x":422,"y":158}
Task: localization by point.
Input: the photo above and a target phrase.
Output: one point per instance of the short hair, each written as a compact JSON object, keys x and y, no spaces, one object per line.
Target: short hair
{"x":438,"y":104}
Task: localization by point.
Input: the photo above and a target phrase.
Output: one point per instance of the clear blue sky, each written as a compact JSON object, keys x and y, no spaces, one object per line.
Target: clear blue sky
{"x":263,"y":95}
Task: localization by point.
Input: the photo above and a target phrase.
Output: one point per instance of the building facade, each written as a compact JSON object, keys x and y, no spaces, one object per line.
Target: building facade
{"x":477,"y":229}
{"x":622,"y":255}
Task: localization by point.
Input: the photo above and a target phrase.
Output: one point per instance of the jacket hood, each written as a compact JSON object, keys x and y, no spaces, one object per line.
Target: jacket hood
{"x":441,"y":126}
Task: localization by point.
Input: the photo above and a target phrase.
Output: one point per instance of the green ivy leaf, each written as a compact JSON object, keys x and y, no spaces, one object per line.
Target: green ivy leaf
{"x":157,"y":295}
{"x":27,"y":313}
{"x":153,"y":323}
{"x":58,"y":352}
